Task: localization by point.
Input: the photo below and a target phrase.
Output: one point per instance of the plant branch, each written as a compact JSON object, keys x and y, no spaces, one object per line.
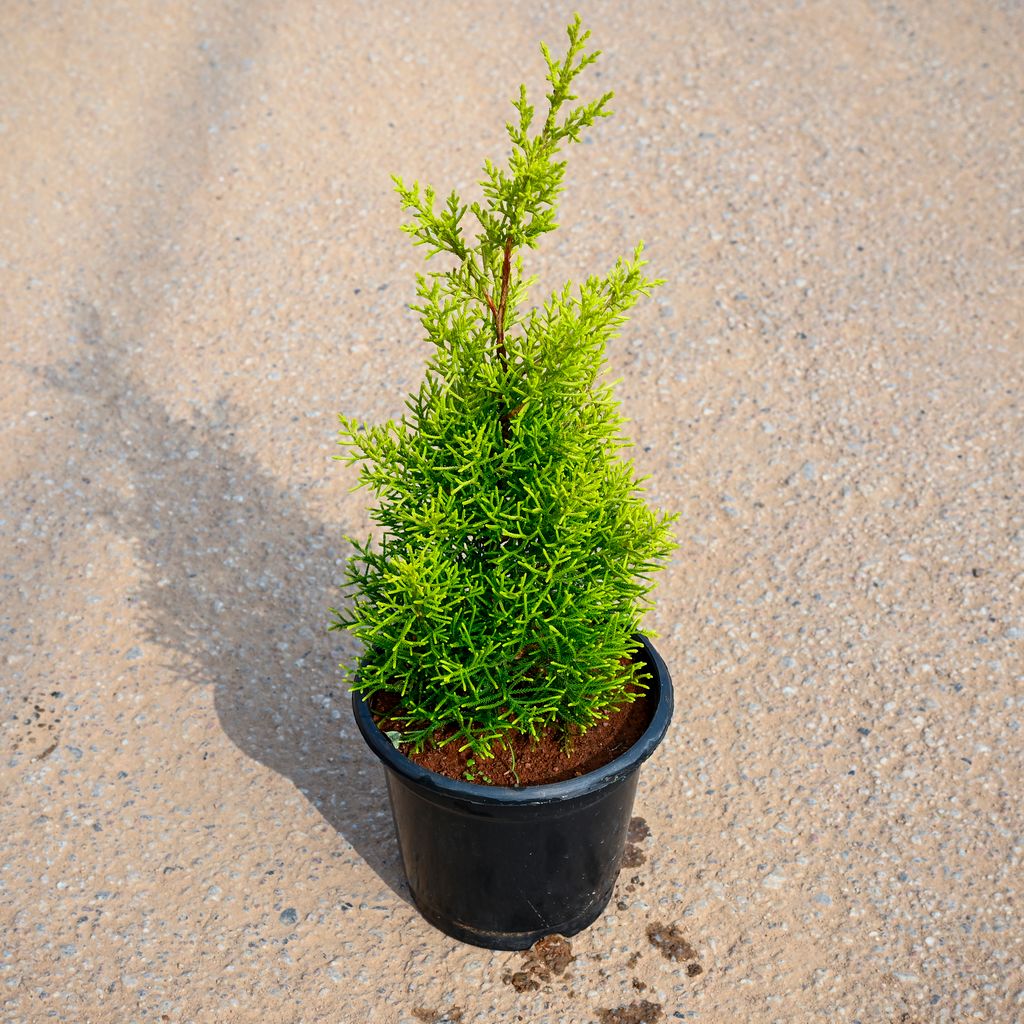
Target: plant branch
{"x":499,"y":313}
{"x":499,"y":324}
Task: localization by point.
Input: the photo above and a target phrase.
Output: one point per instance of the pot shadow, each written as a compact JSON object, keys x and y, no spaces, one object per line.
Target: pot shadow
{"x":237,"y":579}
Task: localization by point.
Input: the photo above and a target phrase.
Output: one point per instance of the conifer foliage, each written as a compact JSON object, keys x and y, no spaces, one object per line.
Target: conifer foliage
{"x":516,"y":552}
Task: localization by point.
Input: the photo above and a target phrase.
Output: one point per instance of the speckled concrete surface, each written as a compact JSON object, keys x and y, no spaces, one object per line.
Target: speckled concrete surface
{"x":200,"y":264}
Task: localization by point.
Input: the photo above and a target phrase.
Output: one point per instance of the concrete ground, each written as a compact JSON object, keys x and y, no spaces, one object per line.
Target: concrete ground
{"x":200,"y":265}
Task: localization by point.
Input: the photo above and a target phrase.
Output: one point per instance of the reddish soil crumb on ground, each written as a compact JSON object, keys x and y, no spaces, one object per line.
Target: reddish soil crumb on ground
{"x":643,"y":1012}
{"x":521,"y":981}
{"x":544,"y":960}
{"x":528,"y":763}
{"x":553,"y":952}
{"x":670,"y":943}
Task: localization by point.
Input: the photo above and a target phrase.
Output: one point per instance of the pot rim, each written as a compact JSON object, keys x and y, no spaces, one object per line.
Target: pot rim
{"x":583,"y":785}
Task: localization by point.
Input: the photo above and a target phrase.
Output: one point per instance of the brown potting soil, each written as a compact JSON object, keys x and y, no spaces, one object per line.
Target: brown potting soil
{"x":525,"y":762}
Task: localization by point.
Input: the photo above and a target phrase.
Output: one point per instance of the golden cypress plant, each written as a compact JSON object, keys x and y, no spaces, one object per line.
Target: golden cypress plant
{"x":515,"y":556}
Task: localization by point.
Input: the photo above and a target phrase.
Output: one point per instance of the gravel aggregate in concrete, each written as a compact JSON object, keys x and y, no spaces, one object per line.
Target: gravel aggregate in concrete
{"x":200,"y":265}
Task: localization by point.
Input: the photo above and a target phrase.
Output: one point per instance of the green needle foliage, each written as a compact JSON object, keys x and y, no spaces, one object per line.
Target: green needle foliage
{"x":516,"y":555}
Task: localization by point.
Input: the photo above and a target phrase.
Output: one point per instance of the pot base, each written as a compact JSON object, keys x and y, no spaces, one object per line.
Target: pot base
{"x":514,"y":940}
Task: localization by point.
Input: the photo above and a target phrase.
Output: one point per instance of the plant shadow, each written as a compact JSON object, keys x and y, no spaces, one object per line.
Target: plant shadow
{"x":237,"y":581}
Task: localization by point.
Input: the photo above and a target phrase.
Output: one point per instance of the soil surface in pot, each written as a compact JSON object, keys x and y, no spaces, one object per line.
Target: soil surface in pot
{"x":525,"y":762}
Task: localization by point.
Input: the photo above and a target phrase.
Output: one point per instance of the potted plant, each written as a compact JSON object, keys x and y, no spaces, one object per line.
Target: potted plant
{"x":499,"y":611}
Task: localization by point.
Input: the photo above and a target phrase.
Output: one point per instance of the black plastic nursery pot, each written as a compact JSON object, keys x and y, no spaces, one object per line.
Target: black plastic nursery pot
{"x":501,"y":867}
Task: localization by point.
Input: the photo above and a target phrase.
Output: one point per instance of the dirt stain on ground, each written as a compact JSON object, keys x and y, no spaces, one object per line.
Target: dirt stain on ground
{"x":546,"y":959}
{"x":633,"y":857}
{"x":638,"y":831}
{"x":40,"y":721}
{"x":644,"y":1012}
{"x":672,"y":945}
{"x":452,"y":1016}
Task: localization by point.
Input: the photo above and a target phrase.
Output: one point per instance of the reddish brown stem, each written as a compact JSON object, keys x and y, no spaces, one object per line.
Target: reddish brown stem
{"x":499,"y":321}
{"x":506,"y":272}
